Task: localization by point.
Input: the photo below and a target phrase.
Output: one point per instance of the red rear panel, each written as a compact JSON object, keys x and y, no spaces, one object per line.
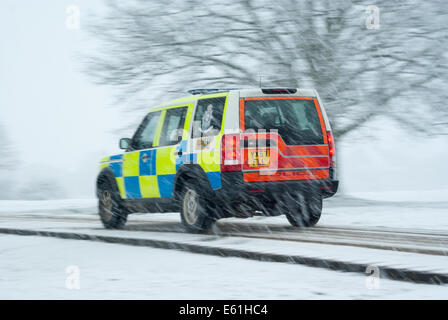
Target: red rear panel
{"x":266,"y":156}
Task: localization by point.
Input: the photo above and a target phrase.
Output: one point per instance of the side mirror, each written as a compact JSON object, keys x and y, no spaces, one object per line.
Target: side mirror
{"x":125,"y":143}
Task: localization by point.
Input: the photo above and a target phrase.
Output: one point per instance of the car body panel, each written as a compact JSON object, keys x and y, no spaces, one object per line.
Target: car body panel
{"x":152,"y":173}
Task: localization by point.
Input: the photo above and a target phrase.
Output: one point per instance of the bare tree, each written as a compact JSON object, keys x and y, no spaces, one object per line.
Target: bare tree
{"x":395,"y":71}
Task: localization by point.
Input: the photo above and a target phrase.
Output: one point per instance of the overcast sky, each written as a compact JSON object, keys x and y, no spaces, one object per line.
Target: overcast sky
{"x":62,"y":124}
{"x":57,"y":118}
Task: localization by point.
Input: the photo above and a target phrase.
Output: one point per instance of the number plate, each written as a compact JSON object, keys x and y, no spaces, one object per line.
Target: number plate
{"x":258,"y":158}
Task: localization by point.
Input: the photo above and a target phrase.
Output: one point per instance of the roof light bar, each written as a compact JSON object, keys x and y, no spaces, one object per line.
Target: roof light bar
{"x":205,"y":91}
{"x":279,"y":90}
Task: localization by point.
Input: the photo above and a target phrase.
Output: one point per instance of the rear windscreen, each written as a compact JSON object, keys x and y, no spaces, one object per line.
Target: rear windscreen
{"x":296,"y":121}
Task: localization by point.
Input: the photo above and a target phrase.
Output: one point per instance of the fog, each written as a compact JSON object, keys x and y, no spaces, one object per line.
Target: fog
{"x":60,"y":123}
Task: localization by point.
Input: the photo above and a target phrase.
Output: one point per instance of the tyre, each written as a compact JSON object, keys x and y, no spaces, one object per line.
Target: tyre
{"x":304,"y":211}
{"x":196,"y":207}
{"x":112,"y":212}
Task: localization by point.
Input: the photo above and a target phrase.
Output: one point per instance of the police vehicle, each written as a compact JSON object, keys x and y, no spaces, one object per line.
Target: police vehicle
{"x":224,"y":153}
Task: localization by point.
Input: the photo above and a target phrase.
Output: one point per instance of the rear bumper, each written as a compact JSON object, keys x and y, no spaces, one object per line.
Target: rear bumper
{"x":235,"y":189}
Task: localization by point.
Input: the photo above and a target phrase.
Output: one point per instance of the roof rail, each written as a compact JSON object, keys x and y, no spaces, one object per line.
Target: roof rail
{"x":205,"y":91}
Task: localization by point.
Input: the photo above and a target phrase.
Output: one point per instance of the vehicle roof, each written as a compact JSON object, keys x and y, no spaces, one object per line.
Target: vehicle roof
{"x":243,"y":93}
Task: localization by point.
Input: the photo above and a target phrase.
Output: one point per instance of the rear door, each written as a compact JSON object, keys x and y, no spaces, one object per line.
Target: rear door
{"x":206,"y":136}
{"x":170,"y":148}
{"x":284,"y":138}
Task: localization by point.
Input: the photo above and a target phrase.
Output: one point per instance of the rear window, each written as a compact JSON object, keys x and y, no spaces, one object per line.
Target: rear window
{"x":296,"y":121}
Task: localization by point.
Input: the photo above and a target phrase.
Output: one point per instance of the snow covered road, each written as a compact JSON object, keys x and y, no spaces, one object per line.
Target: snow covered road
{"x":36,"y":268}
{"x":405,"y":237}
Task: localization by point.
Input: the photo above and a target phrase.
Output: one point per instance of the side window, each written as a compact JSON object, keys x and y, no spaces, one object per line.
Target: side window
{"x":208,"y":117}
{"x":144,"y":137}
{"x":173,"y":126}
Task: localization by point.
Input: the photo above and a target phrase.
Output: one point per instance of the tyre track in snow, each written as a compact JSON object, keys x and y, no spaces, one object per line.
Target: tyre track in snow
{"x":385,"y":271}
{"x":412,"y":241}
{"x":432,"y":244}
{"x":403,"y":240}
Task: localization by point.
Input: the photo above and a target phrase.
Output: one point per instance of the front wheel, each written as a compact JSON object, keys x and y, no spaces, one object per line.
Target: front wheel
{"x":111,"y":210}
{"x":305,"y":211}
{"x":195,"y":208}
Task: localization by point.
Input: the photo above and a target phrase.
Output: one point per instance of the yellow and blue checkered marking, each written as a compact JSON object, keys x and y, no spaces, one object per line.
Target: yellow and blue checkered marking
{"x":185,"y":157}
{"x":117,"y":167}
{"x":150,"y":173}
{"x":147,"y":167}
{"x":132,"y":187}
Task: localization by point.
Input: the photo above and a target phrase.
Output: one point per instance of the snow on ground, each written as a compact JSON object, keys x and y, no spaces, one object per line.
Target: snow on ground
{"x":63,"y":206}
{"x":36,"y":268}
{"x":401,"y":209}
{"x":255,"y":241}
{"x":416,"y":210}
{"x":362,"y":212}
{"x":404,"y":195}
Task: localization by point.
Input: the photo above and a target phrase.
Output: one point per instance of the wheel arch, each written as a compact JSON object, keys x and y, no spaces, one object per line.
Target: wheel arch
{"x":189,"y":172}
{"x":105,"y":175}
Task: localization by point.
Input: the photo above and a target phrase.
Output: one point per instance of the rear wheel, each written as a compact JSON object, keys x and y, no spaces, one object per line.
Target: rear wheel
{"x":304,"y":211}
{"x":195,"y":208}
{"x":112,"y":212}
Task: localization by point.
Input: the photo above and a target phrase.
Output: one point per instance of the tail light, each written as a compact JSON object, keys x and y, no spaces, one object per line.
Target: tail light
{"x":332,"y":149}
{"x":230,"y":153}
